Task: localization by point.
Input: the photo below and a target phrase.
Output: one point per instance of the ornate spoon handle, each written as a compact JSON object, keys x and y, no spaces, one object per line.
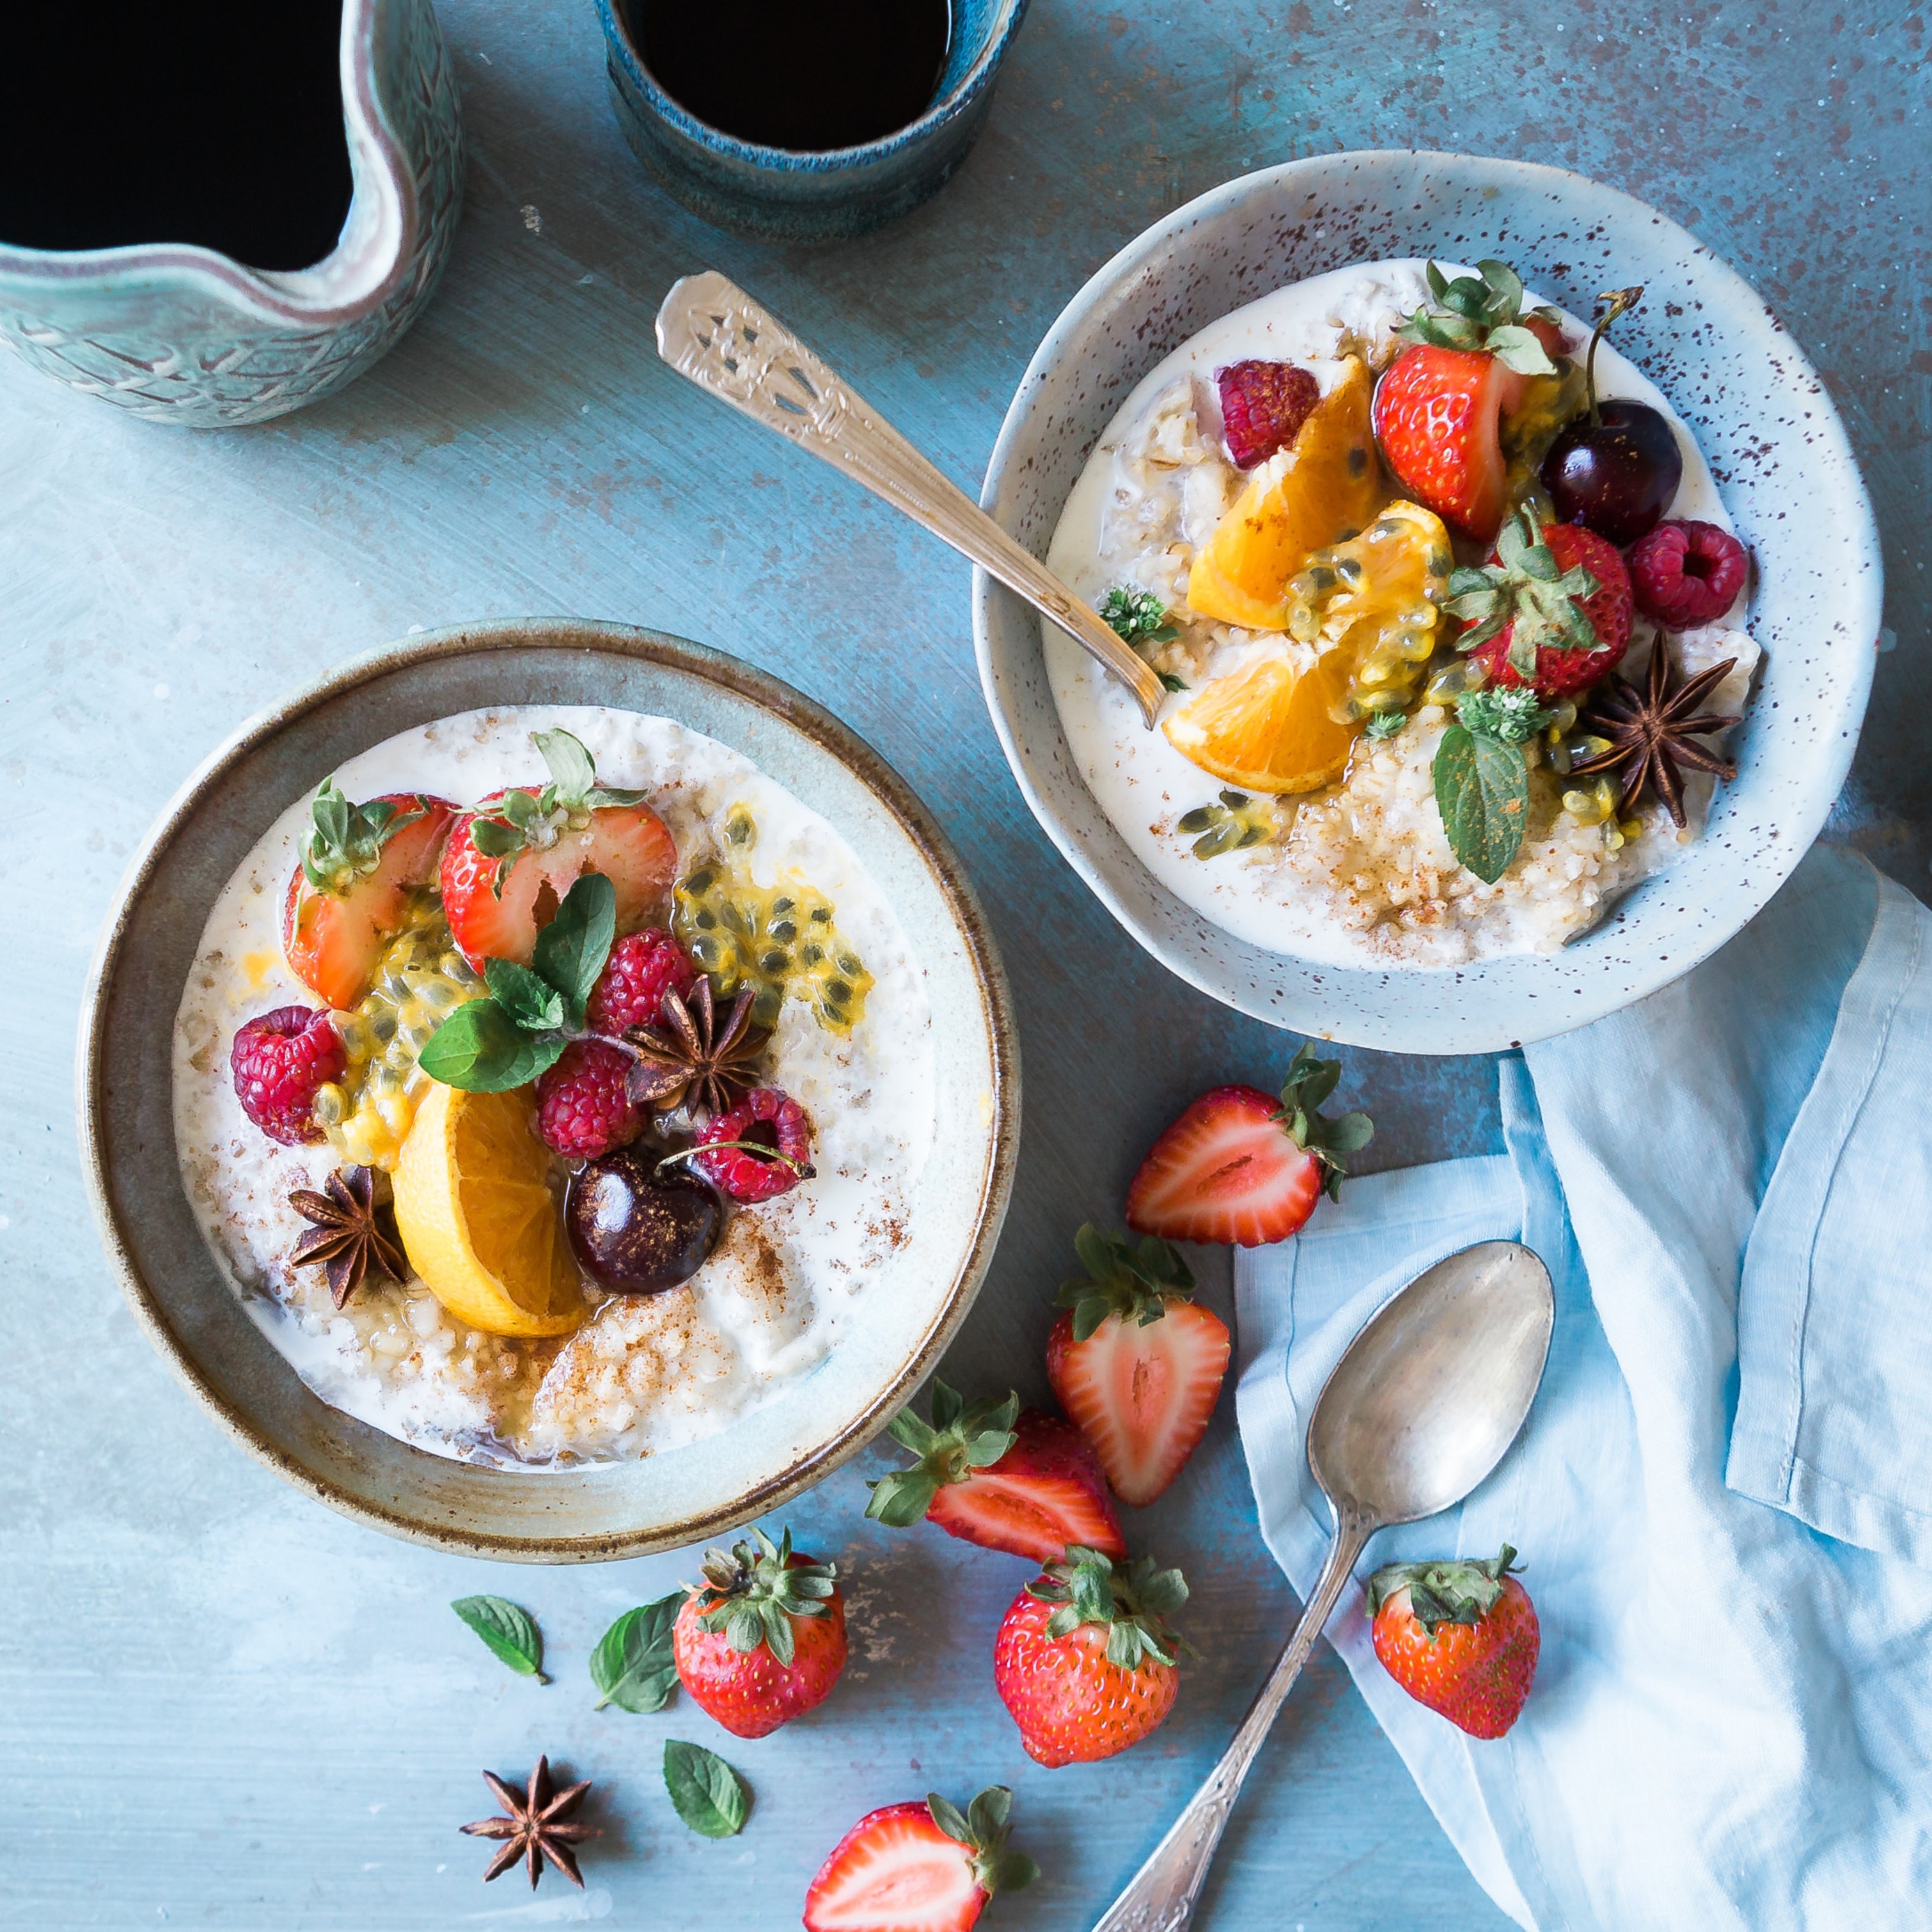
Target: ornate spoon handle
{"x":1161,"y":1895}
{"x":709,"y":330}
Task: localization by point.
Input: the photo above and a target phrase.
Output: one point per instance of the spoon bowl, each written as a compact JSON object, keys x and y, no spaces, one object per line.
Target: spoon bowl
{"x":1428,"y":1397}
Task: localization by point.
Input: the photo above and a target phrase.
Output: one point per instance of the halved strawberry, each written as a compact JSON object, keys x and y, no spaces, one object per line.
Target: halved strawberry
{"x":350,"y":893}
{"x":1438,"y":407}
{"x":509,"y":863}
{"x":1135,"y":1362}
{"x":1241,"y":1168}
{"x":1006,"y":1478}
{"x":918,"y":1868}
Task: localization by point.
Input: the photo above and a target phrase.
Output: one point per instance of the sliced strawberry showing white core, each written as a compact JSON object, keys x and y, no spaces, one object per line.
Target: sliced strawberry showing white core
{"x":895,"y":1871}
{"x":350,"y":894}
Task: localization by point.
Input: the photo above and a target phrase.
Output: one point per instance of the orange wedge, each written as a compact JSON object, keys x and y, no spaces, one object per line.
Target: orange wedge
{"x":1269,"y":728}
{"x":1329,"y":490}
{"x":478,"y":1219}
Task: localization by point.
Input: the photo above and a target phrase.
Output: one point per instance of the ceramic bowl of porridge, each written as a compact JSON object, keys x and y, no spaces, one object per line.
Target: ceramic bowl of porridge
{"x":549,"y":1090}
{"x":1427,"y":563}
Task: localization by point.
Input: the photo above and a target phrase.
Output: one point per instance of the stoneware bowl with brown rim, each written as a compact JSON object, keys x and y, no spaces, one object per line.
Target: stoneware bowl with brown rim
{"x":1762,"y":418}
{"x":198,"y":1322}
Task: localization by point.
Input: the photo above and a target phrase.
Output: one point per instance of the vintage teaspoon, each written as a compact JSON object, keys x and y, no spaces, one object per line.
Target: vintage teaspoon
{"x":1417,"y":1411}
{"x":709,"y":330}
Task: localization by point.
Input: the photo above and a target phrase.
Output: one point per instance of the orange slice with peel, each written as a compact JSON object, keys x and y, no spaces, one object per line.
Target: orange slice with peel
{"x":1329,"y":488}
{"x":1269,"y":728}
{"x":478,"y":1219}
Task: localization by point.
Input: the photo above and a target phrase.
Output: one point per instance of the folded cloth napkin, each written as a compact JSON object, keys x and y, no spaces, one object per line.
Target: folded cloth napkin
{"x":1723,"y":1497}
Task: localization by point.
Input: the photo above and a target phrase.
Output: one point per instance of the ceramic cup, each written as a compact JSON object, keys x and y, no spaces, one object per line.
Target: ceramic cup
{"x":776,"y":194}
{"x":184,"y":335}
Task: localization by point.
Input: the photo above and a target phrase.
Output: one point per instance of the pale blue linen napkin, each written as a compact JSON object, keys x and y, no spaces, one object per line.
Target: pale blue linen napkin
{"x":1723,"y":1495}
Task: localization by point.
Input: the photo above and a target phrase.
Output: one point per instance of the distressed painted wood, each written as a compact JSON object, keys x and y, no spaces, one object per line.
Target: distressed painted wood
{"x":220,"y":1705}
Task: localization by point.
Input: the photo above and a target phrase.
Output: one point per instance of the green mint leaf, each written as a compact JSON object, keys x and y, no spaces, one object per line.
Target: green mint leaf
{"x":509,"y":1631}
{"x":632,"y":1666}
{"x":709,"y":1796}
{"x":533,"y":1004}
{"x":571,"y":949}
{"x":482,"y":1050}
{"x":1482,"y":790}
{"x":571,"y":769}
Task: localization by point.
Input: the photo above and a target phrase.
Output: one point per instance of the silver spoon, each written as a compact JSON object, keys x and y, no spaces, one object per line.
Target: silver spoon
{"x":1417,"y":1411}
{"x":710,"y":330}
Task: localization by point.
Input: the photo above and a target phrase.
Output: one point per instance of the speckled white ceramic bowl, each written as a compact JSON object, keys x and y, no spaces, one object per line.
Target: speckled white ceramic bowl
{"x":198,"y":1325}
{"x":1761,"y":417}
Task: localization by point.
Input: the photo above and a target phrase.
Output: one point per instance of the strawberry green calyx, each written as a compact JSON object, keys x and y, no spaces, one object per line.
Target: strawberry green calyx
{"x":752,"y":1591}
{"x":960,"y":1439}
{"x":1136,"y":1283}
{"x":526,"y":821}
{"x":1482,"y":311}
{"x":1462,"y":1591}
{"x":1528,"y":589}
{"x":983,"y":1829}
{"x":1133,"y":1602}
{"x":345,"y":841}
{"x":1309,"y":1082}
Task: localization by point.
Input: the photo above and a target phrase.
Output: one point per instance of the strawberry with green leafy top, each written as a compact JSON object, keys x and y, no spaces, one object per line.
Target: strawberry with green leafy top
{"x":1461,"y":1637}
{"x":511,"y":862}
{"x":1439,"y":407}
{"x":916,"y":1867}
{"x":1086,"y":1658}
{"x":1238,"y":1167}
{"x":360,"y":865}
{"x":1006,"y":1478}
{"x":762,"y":1640}
{"x":1136,"y":1361}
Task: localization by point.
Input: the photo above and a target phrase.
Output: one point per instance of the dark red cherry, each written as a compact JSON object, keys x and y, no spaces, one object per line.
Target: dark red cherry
{"x":637,"y":1230}
{"x":1616,"y":475}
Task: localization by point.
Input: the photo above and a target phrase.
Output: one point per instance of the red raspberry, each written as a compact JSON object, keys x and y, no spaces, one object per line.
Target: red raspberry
{"x":765,"y":1118}
{"x":642,"y":968}
{"x":279,"y":1060}
{"x":584,"y":1108}
{"x":1687,"y":574}
{"x":1263,"y":406}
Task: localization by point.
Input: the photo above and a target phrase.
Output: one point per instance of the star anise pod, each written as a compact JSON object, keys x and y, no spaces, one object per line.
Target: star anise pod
{"x":690,"y":1053}
{"x":348,"y":1238}
{"x":1652,"y":732}
{"x":536,"y":1827}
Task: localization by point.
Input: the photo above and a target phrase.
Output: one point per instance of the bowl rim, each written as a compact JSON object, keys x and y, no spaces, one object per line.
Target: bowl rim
{"x":371,"y":257}
{"x":943,"y":108}
{"x":791,"y":706}
{"x":1864,"y":617}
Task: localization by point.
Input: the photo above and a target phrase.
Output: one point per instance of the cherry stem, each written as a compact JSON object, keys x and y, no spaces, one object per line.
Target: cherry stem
{"x":802,"y":1169}
{"x":1616,"y":302}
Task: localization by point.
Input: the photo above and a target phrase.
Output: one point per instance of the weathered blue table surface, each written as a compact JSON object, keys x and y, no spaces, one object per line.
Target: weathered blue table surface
{"x":220,"y":1704}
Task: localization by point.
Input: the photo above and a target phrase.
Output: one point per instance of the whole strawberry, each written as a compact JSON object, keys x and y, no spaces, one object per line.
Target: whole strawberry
{"x":762,"y":1640}
{"x":1242,"y":1167}
{"x":1002,"y":1476}
{"x":1136,"y":1361}
{"x":1550,"y":610}
{"x":1461,"y":1637}
{"x":918,"y":1868}
{"x":1085,"y":1658}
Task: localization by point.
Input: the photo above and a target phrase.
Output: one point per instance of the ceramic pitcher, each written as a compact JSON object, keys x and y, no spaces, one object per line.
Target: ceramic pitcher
{"x":184,"y":335}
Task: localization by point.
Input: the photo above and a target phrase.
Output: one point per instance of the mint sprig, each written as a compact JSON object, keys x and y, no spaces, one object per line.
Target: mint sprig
{"x":1482,"y":777}
{"x":633,"y":1666}
{"x":707,"y":1793}
{"x":508,"y":1630}
{"x":521,"y":1029}
{"x":1137,"y":616}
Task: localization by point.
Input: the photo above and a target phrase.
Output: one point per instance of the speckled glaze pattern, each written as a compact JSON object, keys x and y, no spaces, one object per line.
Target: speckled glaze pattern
{"x":185,"y":335}
{"x":1775,"y":445}
{"x":777,"y":194}
{"x":195,"y":1319}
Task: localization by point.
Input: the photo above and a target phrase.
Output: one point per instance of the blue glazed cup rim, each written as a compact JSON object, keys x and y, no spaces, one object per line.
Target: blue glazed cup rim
{"x":948,"y":107}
